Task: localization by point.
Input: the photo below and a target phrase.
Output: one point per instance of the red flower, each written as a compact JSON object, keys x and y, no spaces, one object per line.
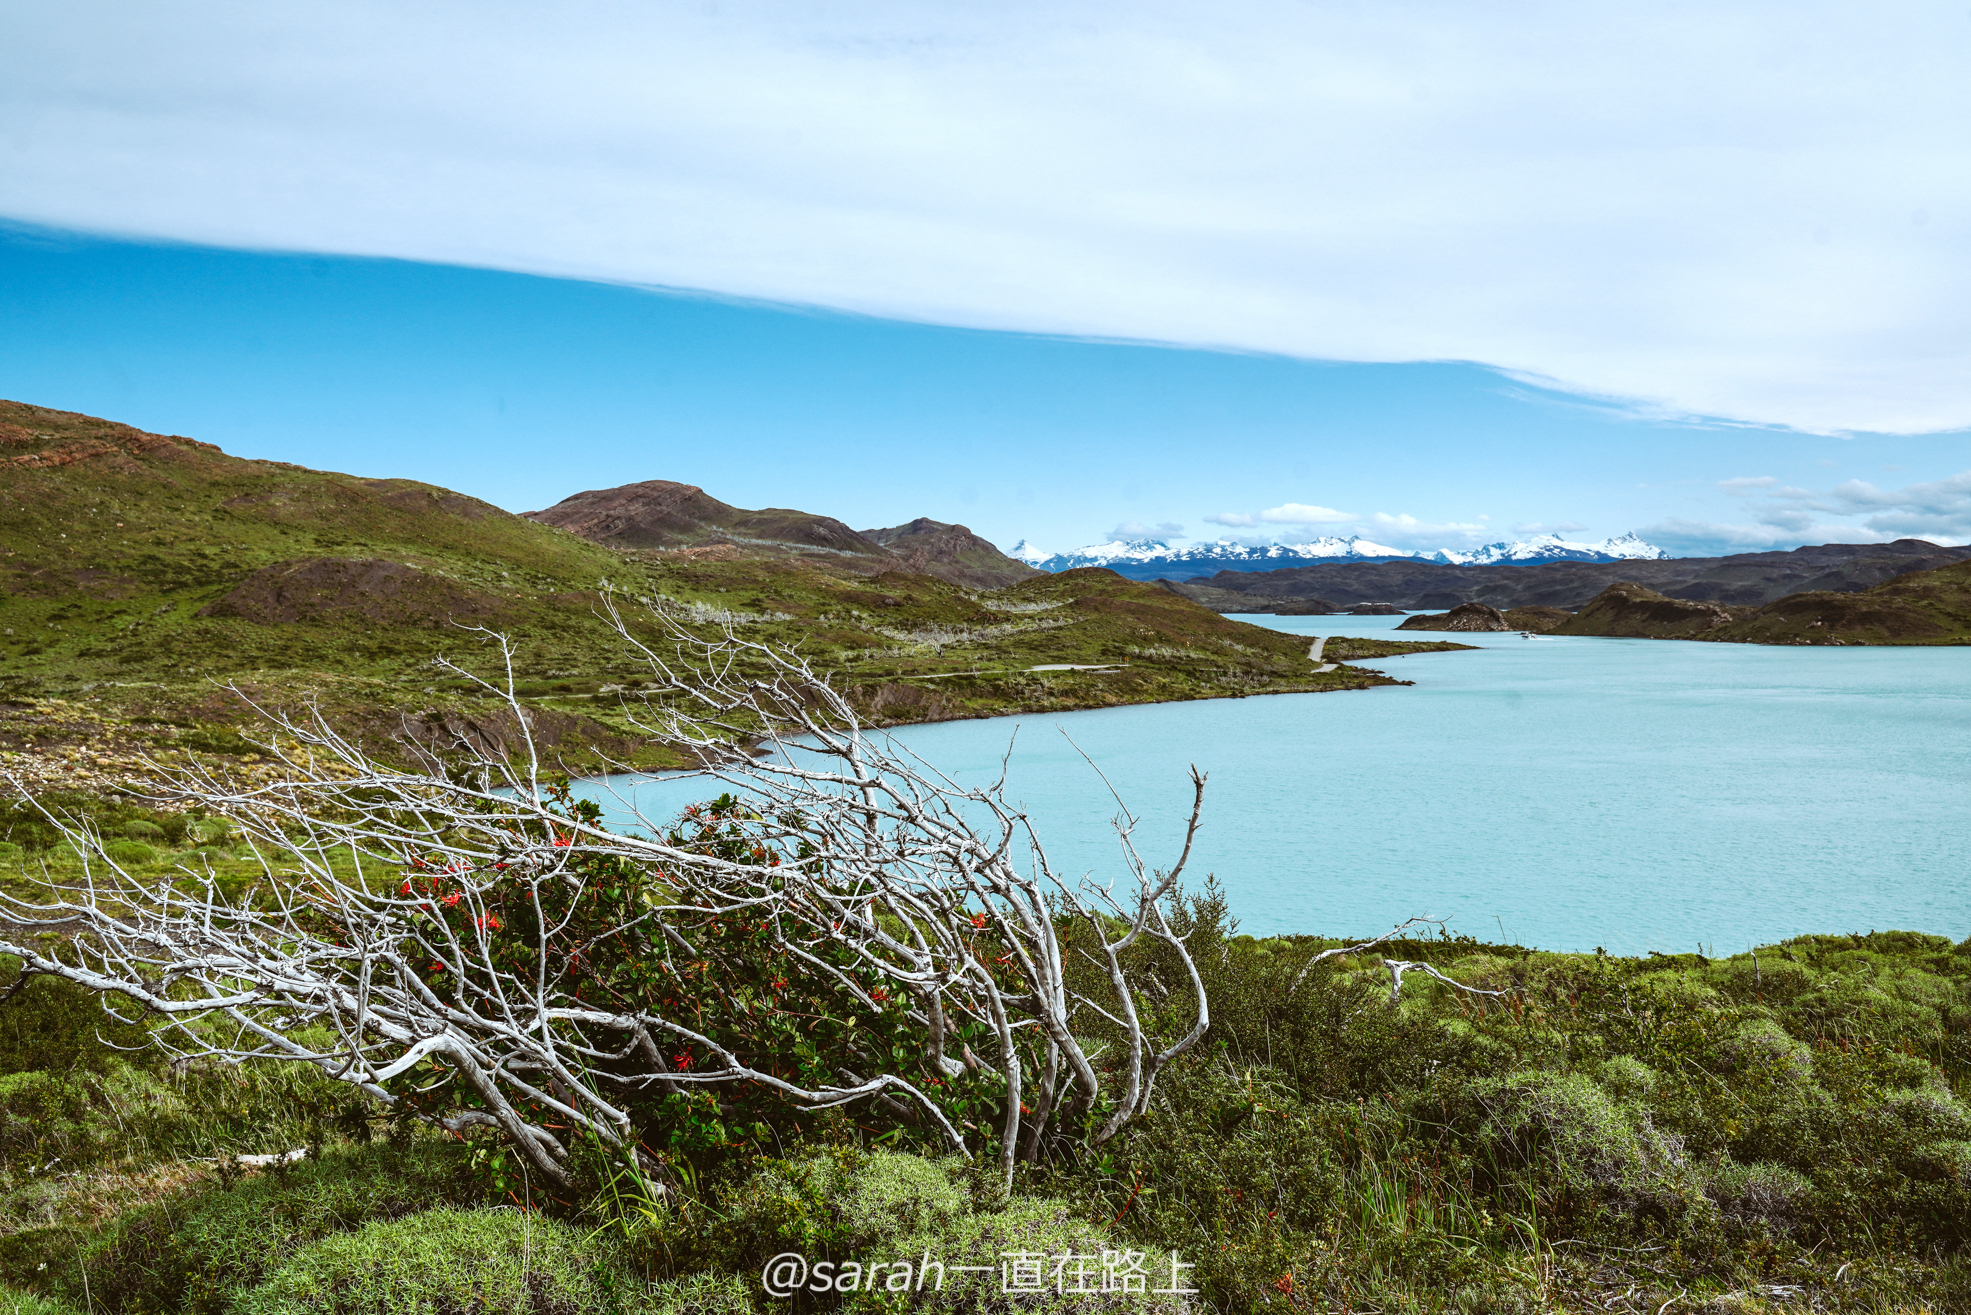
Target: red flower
{"x":490,"y":922}
{"x":682,"y":1059}
{"x":452,"y":900}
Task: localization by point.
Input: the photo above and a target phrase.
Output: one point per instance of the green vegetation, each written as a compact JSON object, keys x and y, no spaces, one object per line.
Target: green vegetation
{"x":142,"y":574}
{"x":1763,"y":1131}
{"x":1922,"y":607}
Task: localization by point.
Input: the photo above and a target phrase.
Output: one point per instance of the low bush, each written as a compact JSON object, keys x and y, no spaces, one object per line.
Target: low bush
{"x":54,"y":1026}
{"x":130,"y":853}
{"x":44,"y":1122}
{"x":453,"y":1262}
{"x":194,"y":1254}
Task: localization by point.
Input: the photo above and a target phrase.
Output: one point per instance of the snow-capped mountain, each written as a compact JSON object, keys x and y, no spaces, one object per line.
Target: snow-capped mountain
{"x":1221,"y":555}
{"x":1147,"y":559}
{"x":1553,"y":548}
{"x":1026,"y":552}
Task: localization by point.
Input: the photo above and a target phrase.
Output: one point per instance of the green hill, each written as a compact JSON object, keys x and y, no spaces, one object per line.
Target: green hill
{"x":1922,"y":607}
{"x":142,"y":574}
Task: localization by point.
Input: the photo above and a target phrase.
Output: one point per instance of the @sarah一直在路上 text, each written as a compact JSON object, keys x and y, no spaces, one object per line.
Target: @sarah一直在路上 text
{"x":1017,"y":1271}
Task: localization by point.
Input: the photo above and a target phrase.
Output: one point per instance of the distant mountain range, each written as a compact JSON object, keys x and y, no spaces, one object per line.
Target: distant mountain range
{"x":1741,"y":580}
{"x":1151,"y":559}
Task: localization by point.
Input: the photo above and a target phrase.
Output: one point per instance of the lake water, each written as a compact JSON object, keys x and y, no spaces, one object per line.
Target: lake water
{"x":1568,"y":793}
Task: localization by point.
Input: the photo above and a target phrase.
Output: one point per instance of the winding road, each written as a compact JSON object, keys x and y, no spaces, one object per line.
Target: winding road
{"x":1314,"y":656}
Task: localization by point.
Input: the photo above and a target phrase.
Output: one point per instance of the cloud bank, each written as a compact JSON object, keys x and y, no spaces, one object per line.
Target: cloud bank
{"x":1781,"y":515}
{"x":1748,"y":210}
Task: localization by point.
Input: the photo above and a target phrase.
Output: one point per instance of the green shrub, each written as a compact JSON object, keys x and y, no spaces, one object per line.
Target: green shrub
{"x":44,"y":1120}
{"x":1041,"y":1231}
{"x":832,"y":1204}
{"x":148,"y":832}
{"x":194,"y":1255}
{"x":1767,"y":1199}
{"x":130,"y":853}
{"x":55,"y":1026}
{"x":866,"y":1209}
{"x":1562,"y":1137}
{"x":451,"y":1262}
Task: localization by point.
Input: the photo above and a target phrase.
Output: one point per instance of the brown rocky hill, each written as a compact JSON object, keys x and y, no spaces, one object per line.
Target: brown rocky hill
{"x":1740,"y":580}
{"x":666,"y":516}
{"x":1629,"y":610}
{"x":1921,"y":607}
{"x":1465,"y":616}
{"x":950,"y":552}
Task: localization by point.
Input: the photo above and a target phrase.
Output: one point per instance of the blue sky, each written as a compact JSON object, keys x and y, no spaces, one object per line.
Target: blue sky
{"x":522,"y":390}
{"x":1731,"y":242}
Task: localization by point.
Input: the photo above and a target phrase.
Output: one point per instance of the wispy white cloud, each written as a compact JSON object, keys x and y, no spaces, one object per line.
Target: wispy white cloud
{"x":1854,"y":511}
{"x":1642,"y":204}
{"x":1298,"y":522}
{"x":1549,"y":527}
{"x":1694,"y":538}
{"x":1939,"y":510}
{"x":1300,"y":513}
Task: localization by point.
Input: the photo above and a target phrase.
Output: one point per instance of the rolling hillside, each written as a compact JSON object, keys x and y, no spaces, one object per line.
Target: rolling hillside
{"x":143,"y":575}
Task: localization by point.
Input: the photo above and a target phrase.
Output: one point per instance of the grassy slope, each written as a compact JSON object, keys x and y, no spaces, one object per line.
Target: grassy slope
{"x":1923,"y":607}
{"x":115,"y":541}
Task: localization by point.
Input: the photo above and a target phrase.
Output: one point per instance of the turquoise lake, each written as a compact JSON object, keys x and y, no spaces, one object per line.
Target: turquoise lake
{"x":1569,"y":793}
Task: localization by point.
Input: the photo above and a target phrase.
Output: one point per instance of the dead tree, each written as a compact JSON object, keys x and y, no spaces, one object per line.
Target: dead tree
{"x":430,"y":930}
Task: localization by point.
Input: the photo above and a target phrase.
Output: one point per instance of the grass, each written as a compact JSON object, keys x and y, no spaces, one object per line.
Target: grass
{"x":146,"y":575}
{"x":1781,"y":1128}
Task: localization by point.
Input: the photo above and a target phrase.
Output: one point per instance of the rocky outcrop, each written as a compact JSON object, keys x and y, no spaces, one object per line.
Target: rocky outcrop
{"x":662,"y":513}
{"x":1539,"y":620}
{"x":1631,"y":611}
{"x":950,"y":552}
{"x":1465,"y":616}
